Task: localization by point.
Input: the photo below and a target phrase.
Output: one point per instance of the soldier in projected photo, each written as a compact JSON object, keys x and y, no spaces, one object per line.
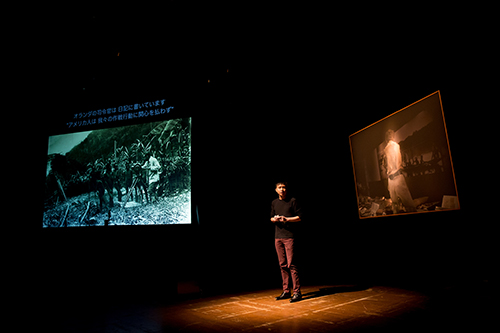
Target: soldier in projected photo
{"x":154,"y":171}
{"x":397,"y":187}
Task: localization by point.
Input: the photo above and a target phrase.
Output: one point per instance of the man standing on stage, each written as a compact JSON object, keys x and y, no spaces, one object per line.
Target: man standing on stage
{"x":285,"y":213}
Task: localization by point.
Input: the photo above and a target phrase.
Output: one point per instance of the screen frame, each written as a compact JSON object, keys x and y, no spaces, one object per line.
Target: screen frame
{"x":178,"y":111}
{"x":382,"y":124}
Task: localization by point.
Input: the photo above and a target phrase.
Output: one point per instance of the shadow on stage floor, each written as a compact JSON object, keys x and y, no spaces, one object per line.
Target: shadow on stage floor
{"x":325,"y":291}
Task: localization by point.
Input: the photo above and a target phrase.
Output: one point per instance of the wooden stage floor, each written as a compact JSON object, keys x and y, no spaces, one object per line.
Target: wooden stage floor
{"x":323,"y":309}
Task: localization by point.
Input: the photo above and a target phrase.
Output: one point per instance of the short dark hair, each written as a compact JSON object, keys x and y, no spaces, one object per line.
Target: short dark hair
{"x":281,"y":183}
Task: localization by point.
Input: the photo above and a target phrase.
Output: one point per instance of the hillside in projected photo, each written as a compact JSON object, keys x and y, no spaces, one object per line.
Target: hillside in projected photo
{"x":131,"y":175}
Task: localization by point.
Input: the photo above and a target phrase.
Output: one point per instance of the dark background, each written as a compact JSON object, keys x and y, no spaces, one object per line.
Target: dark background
{"x":281,"y":103}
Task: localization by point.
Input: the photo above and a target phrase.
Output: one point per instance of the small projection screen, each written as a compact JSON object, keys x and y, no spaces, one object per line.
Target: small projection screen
{"x":402,"y":163}
{"x":137,"y":172}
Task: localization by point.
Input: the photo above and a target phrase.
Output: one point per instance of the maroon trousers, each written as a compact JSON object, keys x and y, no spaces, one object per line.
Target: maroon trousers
{"x":285,"y":249}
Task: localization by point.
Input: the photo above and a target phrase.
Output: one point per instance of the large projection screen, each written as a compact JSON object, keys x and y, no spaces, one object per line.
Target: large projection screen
{"x":402,"y":163}
{"x":138,"y":174}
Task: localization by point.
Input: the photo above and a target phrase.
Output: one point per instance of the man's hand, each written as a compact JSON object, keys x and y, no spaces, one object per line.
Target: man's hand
{"x":276,"y":218}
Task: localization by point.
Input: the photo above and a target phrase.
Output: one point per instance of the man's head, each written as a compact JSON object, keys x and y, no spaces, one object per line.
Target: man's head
{"x":281,"y":189}
{"x":389,"y":135}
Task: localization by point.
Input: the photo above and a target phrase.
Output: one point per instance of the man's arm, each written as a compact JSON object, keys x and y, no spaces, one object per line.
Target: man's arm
{"x":290,"y":219}
{"x":274,"y":217}
{"x":278,"y":218}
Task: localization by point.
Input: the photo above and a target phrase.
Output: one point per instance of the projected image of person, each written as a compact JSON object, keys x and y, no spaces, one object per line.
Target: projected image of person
{"x":154,"y":171}
{"x":398,"y":190}
{"x":285,"y":213}
{"x":138,"y":174}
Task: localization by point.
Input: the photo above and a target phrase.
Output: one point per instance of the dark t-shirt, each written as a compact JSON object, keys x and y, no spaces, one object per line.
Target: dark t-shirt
{"x":287,"y":208}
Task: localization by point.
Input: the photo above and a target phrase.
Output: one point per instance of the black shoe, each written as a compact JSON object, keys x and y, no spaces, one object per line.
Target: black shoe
{"x":283,"y":295}
{"x":296,"y":297}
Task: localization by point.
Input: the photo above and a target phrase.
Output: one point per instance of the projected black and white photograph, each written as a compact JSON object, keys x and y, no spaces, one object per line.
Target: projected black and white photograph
{"x":402,"y":163}
{"x":131,"y":175}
